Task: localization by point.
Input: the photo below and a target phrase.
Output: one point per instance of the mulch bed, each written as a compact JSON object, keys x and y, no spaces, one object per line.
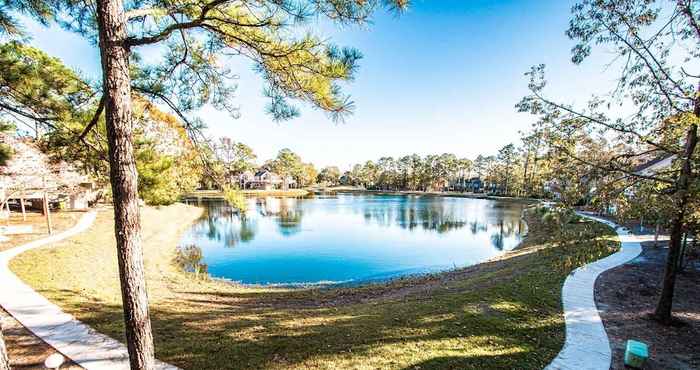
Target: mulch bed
{"x":628,"y":294}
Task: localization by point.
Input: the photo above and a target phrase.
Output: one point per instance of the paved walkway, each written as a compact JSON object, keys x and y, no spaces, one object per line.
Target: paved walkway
{"x":72,"y":338}
{"x":587,"y":345}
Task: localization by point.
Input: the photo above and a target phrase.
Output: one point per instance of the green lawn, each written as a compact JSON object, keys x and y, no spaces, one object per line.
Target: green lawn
{"x":503,"y":314}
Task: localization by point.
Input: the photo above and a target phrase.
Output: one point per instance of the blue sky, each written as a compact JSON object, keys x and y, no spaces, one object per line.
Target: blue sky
{"x":444,"y":77}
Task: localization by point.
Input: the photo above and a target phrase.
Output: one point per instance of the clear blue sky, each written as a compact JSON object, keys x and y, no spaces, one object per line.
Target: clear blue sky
{"x":444,"y":77}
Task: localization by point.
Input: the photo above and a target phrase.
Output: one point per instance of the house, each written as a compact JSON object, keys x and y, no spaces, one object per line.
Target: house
{"x":459,"y":184}
{"x":264,"y":179}
{"x":475,"y":185}
{"x":30,"y":174}
{"x":552,"y":187}
{"x":242,"y":179}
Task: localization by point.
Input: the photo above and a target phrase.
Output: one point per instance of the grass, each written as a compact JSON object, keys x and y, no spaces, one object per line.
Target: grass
{"x":503,"y":314}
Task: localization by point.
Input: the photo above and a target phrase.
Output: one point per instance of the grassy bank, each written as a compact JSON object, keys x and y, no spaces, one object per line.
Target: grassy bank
{"x":504,"y":313}
{"x":216,"y":194}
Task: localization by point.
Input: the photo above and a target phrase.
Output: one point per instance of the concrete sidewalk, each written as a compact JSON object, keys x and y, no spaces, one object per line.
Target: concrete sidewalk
{"x":72,"y":338}
{"x":587,"y":345}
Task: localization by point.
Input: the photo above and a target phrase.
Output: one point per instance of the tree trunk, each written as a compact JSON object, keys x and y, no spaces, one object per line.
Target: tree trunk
{"x":123,"y":177}
{"x":656,"y":233}
{"x":525,"y":190}
{"x":4,"y":359}
{"x":664,"y":307}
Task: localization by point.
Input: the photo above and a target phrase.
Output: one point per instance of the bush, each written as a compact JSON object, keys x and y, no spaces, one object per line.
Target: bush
{"x":551,"y":219}
{"x":236,"y":199}
{"x":189,"y":258}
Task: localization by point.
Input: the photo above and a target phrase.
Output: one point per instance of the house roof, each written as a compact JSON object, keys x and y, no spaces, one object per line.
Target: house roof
{"x":655,"y":164}
{"x":30,"y":168}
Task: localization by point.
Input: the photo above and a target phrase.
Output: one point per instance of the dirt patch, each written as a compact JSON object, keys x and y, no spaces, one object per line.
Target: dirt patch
{"x":628,"y":294}
{"x":26,"y":350}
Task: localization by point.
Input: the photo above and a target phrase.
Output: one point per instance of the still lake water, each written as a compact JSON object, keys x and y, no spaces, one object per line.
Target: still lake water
{"x":351,"y":238}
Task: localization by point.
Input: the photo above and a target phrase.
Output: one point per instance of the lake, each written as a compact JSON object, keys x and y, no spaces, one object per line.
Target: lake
{"x":348,"y":238}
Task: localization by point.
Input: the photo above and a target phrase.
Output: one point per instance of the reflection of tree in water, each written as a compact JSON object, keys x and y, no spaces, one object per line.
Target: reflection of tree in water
{"x":410,"y":213}
{"x":247,"y":230}
{"x":477,"y":227}
{"x":189,"y":258}
{"x":287,"y":212}
{"x":289,"y":221}
{"x":505,"y":229}
{"x":440,"y":215}
{"x":219,"y":222}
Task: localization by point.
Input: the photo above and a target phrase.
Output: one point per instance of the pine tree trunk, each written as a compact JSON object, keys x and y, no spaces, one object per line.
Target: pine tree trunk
{"x":4,"y":359}
{"x":664,"y":307}
{"x":123,"y":177}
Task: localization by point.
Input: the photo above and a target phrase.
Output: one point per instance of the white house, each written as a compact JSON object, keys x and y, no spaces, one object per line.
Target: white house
{"x":263,"y":179}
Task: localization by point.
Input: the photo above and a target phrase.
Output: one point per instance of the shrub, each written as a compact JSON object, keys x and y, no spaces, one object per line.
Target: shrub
{"x":236,"y":199}
{"x":189,"y":258}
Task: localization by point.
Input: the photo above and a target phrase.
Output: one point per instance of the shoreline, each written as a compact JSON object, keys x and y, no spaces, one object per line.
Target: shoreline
{"x":378,"y":282}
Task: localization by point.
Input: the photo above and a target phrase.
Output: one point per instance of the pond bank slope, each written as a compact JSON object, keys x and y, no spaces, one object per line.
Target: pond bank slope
{"x":505,"y":313}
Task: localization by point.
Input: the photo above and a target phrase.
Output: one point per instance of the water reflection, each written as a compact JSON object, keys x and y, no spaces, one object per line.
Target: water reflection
{"x":286,"y":212}
{"x":351,"y":237}
{"x":220,"y":223}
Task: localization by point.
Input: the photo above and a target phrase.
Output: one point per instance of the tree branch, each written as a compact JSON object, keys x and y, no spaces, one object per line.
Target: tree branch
{"x":95,"y":118}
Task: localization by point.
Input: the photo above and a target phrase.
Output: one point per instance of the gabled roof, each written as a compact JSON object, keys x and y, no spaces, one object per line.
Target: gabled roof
{"x":655,"y":164}
{"x":261,"y":172}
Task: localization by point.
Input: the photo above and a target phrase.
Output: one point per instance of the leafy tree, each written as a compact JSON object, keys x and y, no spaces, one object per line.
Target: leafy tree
{"x":38,"y":9}
{"x":660,"y":47}
{"x":329,"y":175}
{"x":507,"y":158}
{"x":287,"y":164}
{"x":480,"y":166}
{"x":236,"y":199}
{"x":235,"y":158}
{"x":38,"y":89}
{"x":308,"y":175}
{"x":5,"y":150}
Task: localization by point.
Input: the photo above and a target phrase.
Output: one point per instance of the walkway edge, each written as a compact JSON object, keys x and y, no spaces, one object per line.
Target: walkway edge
{"x":70,"y":337}
{"x":587,"y":345}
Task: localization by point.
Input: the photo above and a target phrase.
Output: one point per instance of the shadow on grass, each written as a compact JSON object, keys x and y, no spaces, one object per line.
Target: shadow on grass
{"x":451,"y":330}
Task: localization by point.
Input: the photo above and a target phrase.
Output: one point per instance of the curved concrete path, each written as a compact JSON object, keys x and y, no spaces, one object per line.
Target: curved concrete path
{"x":587,"y":345}
{"x":72,"y":338}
